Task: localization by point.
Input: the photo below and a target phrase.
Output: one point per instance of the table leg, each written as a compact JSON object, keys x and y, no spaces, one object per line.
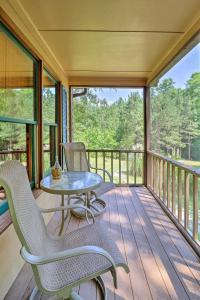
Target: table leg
{"x":87,"y":200}
{"x":68,"y":210}
{"x":63,"y":214}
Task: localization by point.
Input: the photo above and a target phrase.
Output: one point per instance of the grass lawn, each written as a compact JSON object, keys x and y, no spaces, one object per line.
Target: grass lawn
{"x":192,"y":163}
{"x":132,"y":176}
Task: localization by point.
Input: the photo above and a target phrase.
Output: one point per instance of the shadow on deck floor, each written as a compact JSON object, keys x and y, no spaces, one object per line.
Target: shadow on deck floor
{"x":162,"y":264}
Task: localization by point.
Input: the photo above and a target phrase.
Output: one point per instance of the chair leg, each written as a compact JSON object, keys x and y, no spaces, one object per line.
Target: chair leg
{"x":100,"y":283}
{"x":34,"y":293}
{"x":75,"y":296}
{"x":102,"y":287}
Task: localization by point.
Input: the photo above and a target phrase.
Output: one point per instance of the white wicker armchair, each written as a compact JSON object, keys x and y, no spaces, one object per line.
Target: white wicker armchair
{"x":76,"y":160}
{"x":59,"y":263}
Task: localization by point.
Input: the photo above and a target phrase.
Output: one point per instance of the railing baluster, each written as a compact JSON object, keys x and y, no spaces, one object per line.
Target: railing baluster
{"x":154,"y":174}
{"x":158,"y":166}
{"x":104,"y":165}
{"x":112,"y":164}
{"x":119,"y":167}
{"x":160,"y":178}
{"x":180,"y":206}
{"x":151,"y":171}
{"x":173,"y":190}
{"x":89,"y":157}
{"x":135,"y":171}
{"x":164,"y":182}
{"x":157,"y":176}
{"x":172,"y":180}
{"x":96,"y":160}
{"x":186,"y":199}
{"x":148,"y":170}
{"x":195,"y":207}
{"x":127,"y":167}
{"x":168,"y":186}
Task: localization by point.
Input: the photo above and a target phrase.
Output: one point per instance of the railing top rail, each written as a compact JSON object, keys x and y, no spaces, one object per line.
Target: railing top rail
{"x":176,"y":163}
{"x":17,"y":151}
{"x":115,"y":150}
{"x":12,"y":151}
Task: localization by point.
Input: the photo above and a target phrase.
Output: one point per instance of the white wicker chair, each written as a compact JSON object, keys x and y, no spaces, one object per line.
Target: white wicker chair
{"x":59,"y":263}
{"x":76,"y":160}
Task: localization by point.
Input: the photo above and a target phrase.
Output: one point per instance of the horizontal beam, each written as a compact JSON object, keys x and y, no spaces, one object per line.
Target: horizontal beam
{"x":107,"y":81}
{"x":114,"y":151}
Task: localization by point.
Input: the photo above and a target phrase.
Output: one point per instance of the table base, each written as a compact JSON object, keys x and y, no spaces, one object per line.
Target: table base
{"x":97,"y":206}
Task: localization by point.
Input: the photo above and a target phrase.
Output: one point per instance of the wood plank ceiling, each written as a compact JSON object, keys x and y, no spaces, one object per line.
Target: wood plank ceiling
{"x":111,"y":39}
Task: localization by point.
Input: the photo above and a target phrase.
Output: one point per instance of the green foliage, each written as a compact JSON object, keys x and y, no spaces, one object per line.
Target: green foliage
{"x":175,"y":116}
{"x":19,"y":104}
{"x":100,"y":123}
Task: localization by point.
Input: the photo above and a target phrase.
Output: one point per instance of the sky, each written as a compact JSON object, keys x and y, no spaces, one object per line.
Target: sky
{"x":180,"y":73}
{"x":113,"y":94}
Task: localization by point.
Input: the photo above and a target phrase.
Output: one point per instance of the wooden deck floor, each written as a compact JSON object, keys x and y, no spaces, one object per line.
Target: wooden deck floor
{"x":162,"y":264}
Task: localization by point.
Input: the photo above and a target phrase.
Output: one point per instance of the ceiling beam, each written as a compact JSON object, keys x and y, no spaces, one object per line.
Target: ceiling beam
{"x":109,"y":82}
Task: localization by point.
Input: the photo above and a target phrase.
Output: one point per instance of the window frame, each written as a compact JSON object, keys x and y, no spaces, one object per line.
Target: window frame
{"x":29,"y":124}
{"x":53,"y":126}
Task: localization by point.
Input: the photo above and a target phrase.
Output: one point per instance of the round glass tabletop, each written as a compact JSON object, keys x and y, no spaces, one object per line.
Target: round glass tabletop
{"x":71,"y":183}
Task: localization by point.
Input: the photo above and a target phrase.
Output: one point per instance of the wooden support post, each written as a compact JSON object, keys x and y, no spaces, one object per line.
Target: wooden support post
{"x":70,"y":114}
{"x":29,"y":150}
{"x":52,"y":135}
{"x":40,"y":123}
{"x":59,"y":119}
{"x":147,"y":131}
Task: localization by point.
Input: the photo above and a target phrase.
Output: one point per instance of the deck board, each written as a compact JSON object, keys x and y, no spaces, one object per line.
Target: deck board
{"x":162,"y":264}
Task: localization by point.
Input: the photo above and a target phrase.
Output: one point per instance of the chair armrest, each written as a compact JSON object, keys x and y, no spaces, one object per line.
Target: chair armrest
{"x":71,"y":206}
{"x":57,"y":256}
{"x":104,"y":170}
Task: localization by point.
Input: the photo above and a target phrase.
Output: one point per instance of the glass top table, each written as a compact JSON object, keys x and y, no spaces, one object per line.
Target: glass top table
{"x":71,"y":183}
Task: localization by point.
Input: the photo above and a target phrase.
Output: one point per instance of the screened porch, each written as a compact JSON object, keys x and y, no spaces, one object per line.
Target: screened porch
{"x":123,"y":78}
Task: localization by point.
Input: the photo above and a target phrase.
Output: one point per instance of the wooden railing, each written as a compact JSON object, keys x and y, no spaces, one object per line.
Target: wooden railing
{"x":125,"y":166}
{"x":13,"y":155}
{"x":176,"y":187}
